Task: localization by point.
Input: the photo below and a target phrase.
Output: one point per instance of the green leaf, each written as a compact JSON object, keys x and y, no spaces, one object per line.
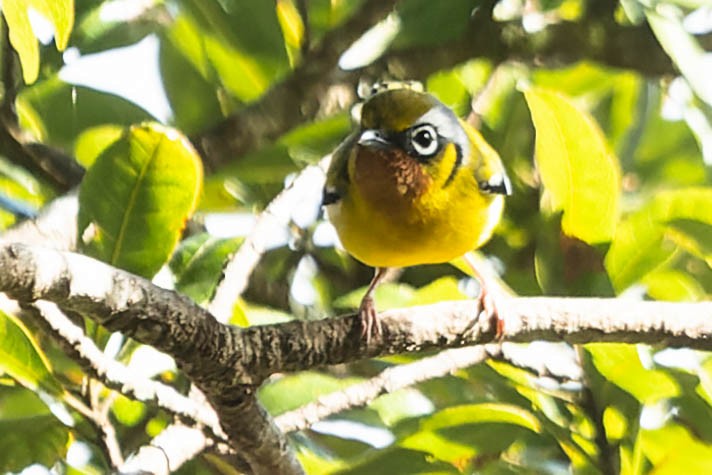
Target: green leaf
{"x":198,"y":262}
{"x":59,"y":12}
{"x":22,"y":38}
{"x":399,"y":460}
{"x":293,"y":391}
{"x":136,"y":198}
{"x":29,"y":440}
{"x":580,"y":174}
{"x":23,"y":359}
{"x":644,"y":241}
{"x":388,"y":295}
{"x":673,"y":285}
{"x":57,"y":112}
{"x":672,"y":450}
{"x":482,"y":413}
{"x":426,"y":23}
{"x":92,"y":142}
{"x":620,"y":364}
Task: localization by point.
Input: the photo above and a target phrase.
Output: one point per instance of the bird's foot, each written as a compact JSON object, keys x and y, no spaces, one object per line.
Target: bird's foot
{"x":488,"y":304}
{"x":370,"y":325}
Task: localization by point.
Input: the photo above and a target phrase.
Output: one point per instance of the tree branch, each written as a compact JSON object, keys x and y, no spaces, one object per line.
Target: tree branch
{"x":388,"y":381}
{"x":115,"y":375}
{"x":297,"y":99}
{"x":237,"y":271}
{"x":293,"y":100}
{"x":228,"y":363}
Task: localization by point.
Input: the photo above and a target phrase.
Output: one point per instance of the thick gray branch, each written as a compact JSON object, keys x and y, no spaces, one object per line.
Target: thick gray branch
{"x":228,"y":363}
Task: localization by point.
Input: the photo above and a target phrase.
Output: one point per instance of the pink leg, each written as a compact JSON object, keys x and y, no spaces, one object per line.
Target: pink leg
{"x":370,"y":326}
{"x":486,"y":298}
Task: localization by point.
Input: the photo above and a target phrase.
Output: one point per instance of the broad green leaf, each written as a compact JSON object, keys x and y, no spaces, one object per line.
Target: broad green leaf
{"x":22,"y":38}
{"x":673,"y":449}
{"x":388,"y":295}
{"x":92,"y":142}
{"x":293,"y":391}
{"x":398,"y":460}
{"x":481,"y":413}
{"x":187,"y":78}
{"x":673,"y":285}
{"x":58,"y":112}
{"x":426,"y":23}
{"x":23,"y":359}
{"x":581,"y":175}
{"x":620,"y":364}
{"x":440,"y":290}
{"x":647,"y":238}
{"x":136,"y":198}
{"x":198,"y":262}
{"x":59,"y":12}
{"x":29,"y":440}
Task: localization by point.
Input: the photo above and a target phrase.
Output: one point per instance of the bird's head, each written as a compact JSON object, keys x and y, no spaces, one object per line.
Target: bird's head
{"x":419,"y":138}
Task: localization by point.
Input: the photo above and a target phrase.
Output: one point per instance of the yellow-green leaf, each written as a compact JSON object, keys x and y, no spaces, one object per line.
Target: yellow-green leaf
{"x":486,"y":412}
{"x":136,"y":198}
{"x":581,"y":175}
{"x":23,"y":359}
{"x":620,"y":364}
{"x":23,"y":38}
{"x":28,"y":440}
{"x":649,"y":237}
{"x":59,"y":12}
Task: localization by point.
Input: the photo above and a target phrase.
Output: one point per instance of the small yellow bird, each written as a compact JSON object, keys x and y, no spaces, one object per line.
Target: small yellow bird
{"x":413,"y":184}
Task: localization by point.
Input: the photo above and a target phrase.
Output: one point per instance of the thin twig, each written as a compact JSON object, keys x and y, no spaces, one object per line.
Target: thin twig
{"x":388,"y":381}
{"x":115,"y":375}
{"x":238,"y":269}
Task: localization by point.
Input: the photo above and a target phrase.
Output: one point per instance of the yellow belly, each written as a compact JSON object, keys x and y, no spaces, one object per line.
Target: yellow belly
{"x":434,"y":228}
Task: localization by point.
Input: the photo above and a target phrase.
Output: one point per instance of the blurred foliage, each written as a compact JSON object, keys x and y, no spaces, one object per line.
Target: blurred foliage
{"x":612,"y":194}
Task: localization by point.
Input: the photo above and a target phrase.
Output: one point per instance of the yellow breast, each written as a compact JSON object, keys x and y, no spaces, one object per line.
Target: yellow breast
{"x":397,"y":212}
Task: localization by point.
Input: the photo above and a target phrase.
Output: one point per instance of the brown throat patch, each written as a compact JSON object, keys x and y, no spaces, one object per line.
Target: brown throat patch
{"x":389,"y":174}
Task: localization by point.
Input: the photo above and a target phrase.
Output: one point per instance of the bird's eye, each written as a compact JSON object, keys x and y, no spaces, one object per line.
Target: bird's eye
{"x":424,"y":140}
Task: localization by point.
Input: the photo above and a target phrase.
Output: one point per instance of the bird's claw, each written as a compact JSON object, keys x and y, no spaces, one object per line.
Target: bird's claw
{"x":370,"y":325}
{"x":488,"y":305}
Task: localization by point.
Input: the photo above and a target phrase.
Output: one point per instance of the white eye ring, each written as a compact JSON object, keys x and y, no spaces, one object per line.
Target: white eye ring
{"x":424,"y":140}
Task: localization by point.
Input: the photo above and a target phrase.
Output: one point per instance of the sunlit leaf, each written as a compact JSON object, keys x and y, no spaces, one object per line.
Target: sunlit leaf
{"x":642,"y":241}
{"x":29,"y":440}
{"x":23,"y":359}
{"x":620,"y":364}
{"x":580,"y":174}
{"x":480,"y":414}
{"x":60,"y":111}
{"x":293,"y":391}
{"x":92,"y":142}
{"x":135,"y":199}
{"x":198,"y":262}
{"x":672,"y":285}
{"x":23,"y":38}
{"x":398,"y":460}
{"x":672,"y":450}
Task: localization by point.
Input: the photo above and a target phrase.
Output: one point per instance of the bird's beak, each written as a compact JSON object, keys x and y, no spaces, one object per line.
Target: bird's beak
{"x":373,"y":138}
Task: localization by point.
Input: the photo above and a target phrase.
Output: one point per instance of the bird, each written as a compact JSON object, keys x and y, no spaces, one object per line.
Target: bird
{"x":412,"y":184}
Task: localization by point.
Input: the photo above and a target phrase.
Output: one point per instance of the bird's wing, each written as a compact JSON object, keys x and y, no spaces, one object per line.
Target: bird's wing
{"x":337,"y":177}
{"x":488,"y":168}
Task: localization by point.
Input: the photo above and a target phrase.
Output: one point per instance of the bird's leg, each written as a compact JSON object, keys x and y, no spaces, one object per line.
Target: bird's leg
{"x":367,"y":310}
{"x":487,"y":298}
